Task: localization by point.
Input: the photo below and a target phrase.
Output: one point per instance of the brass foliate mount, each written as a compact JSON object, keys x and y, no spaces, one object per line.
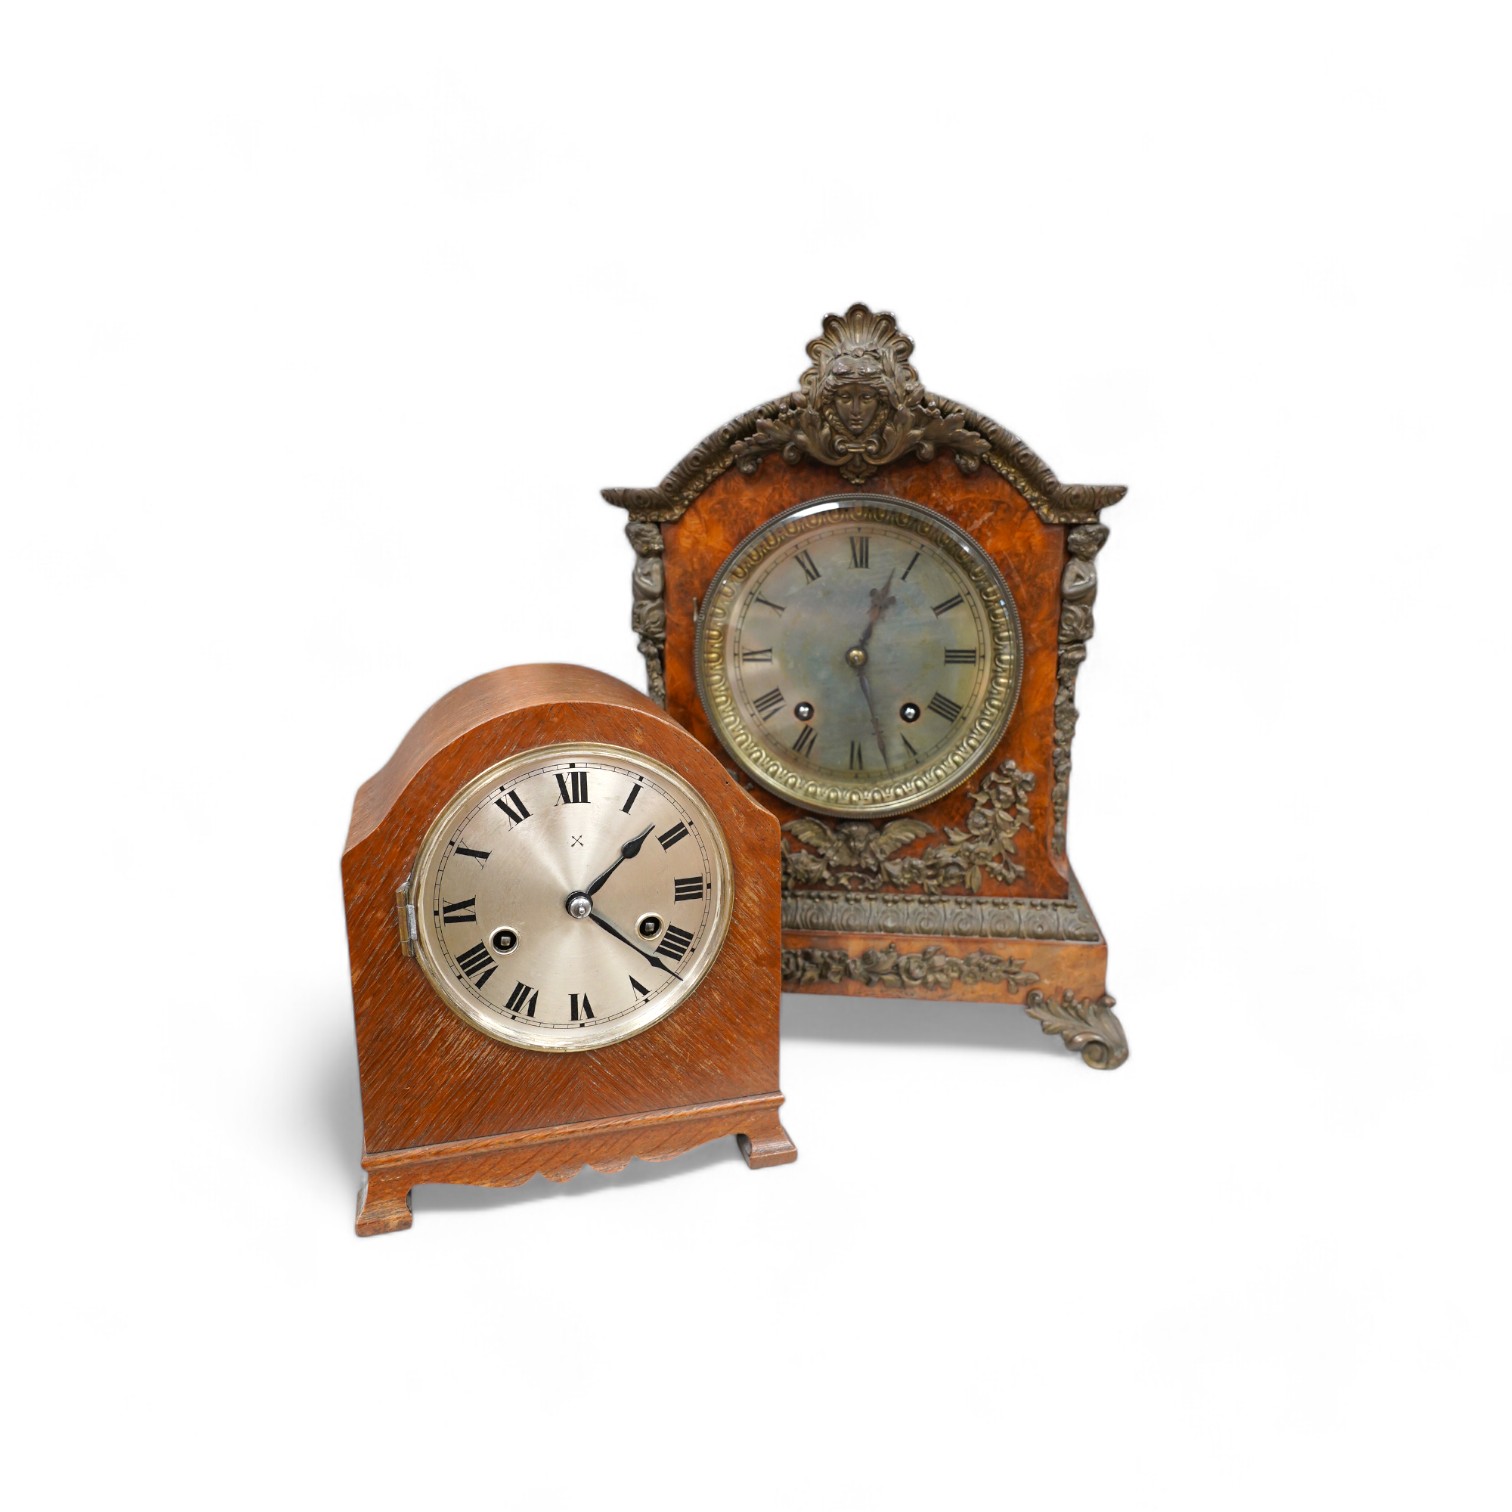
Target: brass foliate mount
{"x":855,"y":854}
{"x":932,"y":969}
{"x":1086,"y":1024}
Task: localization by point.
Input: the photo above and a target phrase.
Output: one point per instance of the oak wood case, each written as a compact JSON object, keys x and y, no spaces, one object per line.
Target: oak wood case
{"x":444,"y":1102}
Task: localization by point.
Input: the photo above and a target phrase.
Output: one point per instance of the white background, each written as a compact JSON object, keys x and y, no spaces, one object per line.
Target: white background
{"x":321,"y":328}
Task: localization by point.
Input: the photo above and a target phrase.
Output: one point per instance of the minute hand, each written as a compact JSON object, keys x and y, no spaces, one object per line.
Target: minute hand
{"x":645,"y":955}
{"x":881,"y":602}
{"x":876,"y":723}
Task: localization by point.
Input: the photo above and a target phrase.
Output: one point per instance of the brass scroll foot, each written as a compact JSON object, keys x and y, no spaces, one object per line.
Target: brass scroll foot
{"x":1086,"y":1024}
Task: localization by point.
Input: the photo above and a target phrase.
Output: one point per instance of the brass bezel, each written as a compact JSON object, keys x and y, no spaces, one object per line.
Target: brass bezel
{"x":539,"y":1037}
{"x":755,"y":756}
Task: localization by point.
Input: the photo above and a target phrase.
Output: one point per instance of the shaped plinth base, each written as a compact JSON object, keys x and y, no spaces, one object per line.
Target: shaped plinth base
{"x":606,"y":1144}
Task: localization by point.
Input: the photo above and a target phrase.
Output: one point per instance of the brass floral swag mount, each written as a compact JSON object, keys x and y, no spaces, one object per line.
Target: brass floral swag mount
{"x":854,"y":854}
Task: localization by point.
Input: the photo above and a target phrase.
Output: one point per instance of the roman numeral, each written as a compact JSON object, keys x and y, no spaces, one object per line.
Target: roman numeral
{"x":464,"y":912}
{"x":769,"y":703}
{"x":629,"y":803}
{"x":477,"y":855}
{"x":805,"y":561}
{"x":668,"y":838}
{"x":638,"y":990}
{"x":946,"y":708}
{"x":805,"y":741}
{"x":914,"y":558}
{"x":477,"y":963}
{"x":911,"y":751}
{"x":587,"y":1009}
{"x":674,"y":943}
{"x":966,"y":658}
{"x":954,"y":602}
{"x":523,"y":1000}
{"x":860,"y":551}
{"x":780,"y":608}
{"x":687,"y":889}
{"x":764,"y":655}
{"x":514,"y":806}
{"x":573,"y":786}
{"x":857,"y":762}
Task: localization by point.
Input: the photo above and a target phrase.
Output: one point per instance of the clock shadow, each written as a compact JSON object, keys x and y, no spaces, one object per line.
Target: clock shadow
{"x":336,"y":1111}
{"x":914,"y":1021}
{"x":835,"y":1018}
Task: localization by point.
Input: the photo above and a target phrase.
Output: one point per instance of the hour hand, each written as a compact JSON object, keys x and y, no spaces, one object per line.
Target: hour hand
{"x":628,"y":851}
{"x":881,"y":602}
{"x":645,"y":955}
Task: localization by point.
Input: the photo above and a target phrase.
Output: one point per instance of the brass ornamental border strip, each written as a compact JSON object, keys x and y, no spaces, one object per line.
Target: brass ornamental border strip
{"x":1066,"y":919}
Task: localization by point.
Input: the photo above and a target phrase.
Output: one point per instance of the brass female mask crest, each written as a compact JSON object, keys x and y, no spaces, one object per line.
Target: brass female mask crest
{"x":863,"y":405}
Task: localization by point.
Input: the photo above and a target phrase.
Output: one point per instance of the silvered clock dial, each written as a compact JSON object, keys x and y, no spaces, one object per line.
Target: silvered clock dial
{"x":570,"y":897}
{"x":858,"y":655}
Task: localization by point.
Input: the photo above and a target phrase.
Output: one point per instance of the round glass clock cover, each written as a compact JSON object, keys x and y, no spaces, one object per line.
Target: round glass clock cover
{"x":571,"y":897}
{"x":859,"y":655}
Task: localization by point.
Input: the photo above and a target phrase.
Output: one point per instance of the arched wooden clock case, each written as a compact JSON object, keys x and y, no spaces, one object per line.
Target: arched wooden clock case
{"x":446,"y":1101}
{"x":975,"y":896}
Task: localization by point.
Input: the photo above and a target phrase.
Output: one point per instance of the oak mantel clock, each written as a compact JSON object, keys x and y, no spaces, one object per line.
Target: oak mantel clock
{"x":563,"y":917}
{"x":871,"y":603}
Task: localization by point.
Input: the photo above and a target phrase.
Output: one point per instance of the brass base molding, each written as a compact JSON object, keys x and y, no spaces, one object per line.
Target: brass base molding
{"x":929,"y":970}
{"x":956,"y":917}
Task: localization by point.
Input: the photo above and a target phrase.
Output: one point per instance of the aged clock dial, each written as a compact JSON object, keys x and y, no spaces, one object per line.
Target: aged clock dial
{"x":858,"y":655}
{"x":570,"y":897}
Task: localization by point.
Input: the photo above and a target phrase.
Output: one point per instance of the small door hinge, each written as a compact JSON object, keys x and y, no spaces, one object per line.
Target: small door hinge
{"x":405,"y":910}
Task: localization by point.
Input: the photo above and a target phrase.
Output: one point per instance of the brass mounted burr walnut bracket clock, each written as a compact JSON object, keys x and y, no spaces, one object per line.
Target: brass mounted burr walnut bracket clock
{"x":871,"y":603}
{"x":563,"y":917}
